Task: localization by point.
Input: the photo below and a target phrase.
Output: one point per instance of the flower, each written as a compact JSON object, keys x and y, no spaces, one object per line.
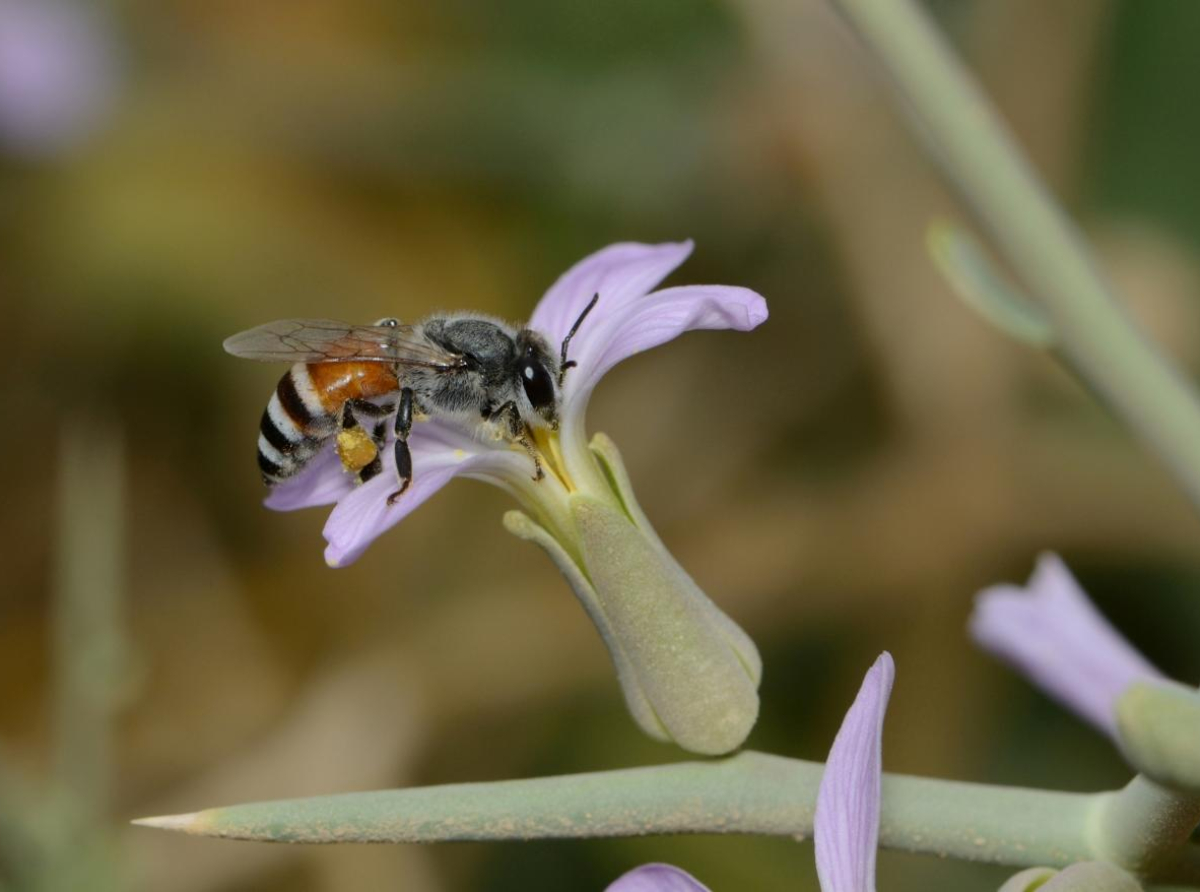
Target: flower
{"x":57,"y":74}
{"x":656,"y":878}
{"x":1053,"y":634}
{"x":846,"y":823}
{"x":689,"y":673}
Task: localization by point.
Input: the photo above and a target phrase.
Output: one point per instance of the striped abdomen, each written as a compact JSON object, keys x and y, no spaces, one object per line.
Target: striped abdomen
{"x":305,"y":408}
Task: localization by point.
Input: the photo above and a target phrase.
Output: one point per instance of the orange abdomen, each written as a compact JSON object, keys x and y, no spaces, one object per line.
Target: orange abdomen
{"x":336,"y":382}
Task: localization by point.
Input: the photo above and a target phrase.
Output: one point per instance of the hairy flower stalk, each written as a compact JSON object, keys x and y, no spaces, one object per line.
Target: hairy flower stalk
{"x":689,"y":673}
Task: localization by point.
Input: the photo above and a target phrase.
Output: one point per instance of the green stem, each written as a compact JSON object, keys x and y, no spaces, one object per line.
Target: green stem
{"x":746,"y":793}
{"x":88,"y":640}
{"x":1144,"y":828}
{"x":983,"y":162}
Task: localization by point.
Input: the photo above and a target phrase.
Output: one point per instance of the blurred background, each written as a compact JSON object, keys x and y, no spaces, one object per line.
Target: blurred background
{"x":840,"y":481}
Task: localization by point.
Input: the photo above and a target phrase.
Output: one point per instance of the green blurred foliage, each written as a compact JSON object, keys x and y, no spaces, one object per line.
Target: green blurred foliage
{"x":840,"y":481}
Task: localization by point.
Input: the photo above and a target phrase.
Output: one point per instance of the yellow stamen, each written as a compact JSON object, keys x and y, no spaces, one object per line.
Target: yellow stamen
{"x":550,"y":452}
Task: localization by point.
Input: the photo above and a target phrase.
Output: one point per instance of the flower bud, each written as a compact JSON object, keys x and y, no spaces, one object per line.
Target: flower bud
{"x":1087,"y":876}
{"x":688,"y":672}
{"x":1158,"y":726}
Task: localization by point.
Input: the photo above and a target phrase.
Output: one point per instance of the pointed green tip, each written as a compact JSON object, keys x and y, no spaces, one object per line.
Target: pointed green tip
{"x":188,"y":823}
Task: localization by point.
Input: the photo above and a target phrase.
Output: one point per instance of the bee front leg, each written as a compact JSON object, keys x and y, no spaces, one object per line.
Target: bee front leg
{"x":402,"y":427}
{"x":510,"y":416}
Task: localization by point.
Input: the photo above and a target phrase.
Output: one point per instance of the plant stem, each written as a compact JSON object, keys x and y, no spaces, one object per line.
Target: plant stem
{"x":87,"y":614}
{"x":746,"y":793}
{"x":975,"y":151}
{"x":1144,"y":827}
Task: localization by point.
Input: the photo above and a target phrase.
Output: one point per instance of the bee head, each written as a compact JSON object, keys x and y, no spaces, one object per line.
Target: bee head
{"x":537,"y":371}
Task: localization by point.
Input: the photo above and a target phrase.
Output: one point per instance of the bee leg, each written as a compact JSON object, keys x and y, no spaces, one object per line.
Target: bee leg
{"x":357,"y":448}
{"x":527,"y":444}
{"x":510,"y":415}
{"x":402,"y":426}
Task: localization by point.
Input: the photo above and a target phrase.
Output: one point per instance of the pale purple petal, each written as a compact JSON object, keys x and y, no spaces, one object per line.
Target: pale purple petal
{"x":653,"y":320}
{"x":620,"y":274}
{"x":57,"y":73}
{"x":656,"y":319}
{"x":322,"y":482}
{"x":439,"y":454}
{"x":656,"y":878}
{"x":1055,"y":636}
{"x":846,"y":823}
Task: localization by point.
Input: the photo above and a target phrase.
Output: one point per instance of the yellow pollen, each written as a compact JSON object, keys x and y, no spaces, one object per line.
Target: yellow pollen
{"x":355,"y":449}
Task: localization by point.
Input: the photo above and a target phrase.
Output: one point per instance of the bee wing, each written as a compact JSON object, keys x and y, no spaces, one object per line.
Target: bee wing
{"x":325,"y":340}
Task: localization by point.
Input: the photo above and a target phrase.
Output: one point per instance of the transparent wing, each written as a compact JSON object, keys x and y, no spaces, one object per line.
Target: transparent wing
{"x":325,"y":340}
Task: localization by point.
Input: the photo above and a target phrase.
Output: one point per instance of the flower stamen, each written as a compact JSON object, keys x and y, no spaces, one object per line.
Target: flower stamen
{"x":549,"y":449}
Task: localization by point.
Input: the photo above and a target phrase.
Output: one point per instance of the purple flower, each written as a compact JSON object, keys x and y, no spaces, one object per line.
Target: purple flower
{"x":656,"y":878}
{"x":1052,"y":633}
{"x":846,"y":823}
{"x":689,"y":673}
{"x":57,"y":74}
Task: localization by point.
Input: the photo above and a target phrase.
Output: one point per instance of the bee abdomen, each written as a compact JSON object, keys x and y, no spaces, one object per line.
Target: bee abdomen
{"x":292,"y":427}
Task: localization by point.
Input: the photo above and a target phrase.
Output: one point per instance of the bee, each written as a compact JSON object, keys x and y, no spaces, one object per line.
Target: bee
{"x":350,"y":383}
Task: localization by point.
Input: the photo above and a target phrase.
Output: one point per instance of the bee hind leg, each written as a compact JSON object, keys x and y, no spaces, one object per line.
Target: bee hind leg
{"x":358,"y":448}
{"x":402,"y":426}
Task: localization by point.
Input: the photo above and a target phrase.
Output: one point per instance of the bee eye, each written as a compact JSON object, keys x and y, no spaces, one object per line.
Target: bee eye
{"x":538,"y":385}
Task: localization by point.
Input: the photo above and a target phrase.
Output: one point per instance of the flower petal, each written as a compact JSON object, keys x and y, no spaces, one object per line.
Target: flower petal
{"x":439,"y":453}
{"x":656,"y":878}
{"x":656,"y":319}
{"x":1055,"y":636}
{"x":322,"y":482}
{"x":57,"y":73}
{"x":846,"y":823}
{"x":620,"y":273}
{"x":661,"y":317}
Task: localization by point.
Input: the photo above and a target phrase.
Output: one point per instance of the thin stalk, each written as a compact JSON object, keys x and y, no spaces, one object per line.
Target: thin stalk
{"x":87,"y":608}
{"x":982,"y":161}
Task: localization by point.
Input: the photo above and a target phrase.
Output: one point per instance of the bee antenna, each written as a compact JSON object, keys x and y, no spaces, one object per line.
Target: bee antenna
{"x":563,"y":363}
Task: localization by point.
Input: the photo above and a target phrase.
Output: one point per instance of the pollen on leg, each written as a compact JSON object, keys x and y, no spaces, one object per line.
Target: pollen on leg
{"x":356,"y":449}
